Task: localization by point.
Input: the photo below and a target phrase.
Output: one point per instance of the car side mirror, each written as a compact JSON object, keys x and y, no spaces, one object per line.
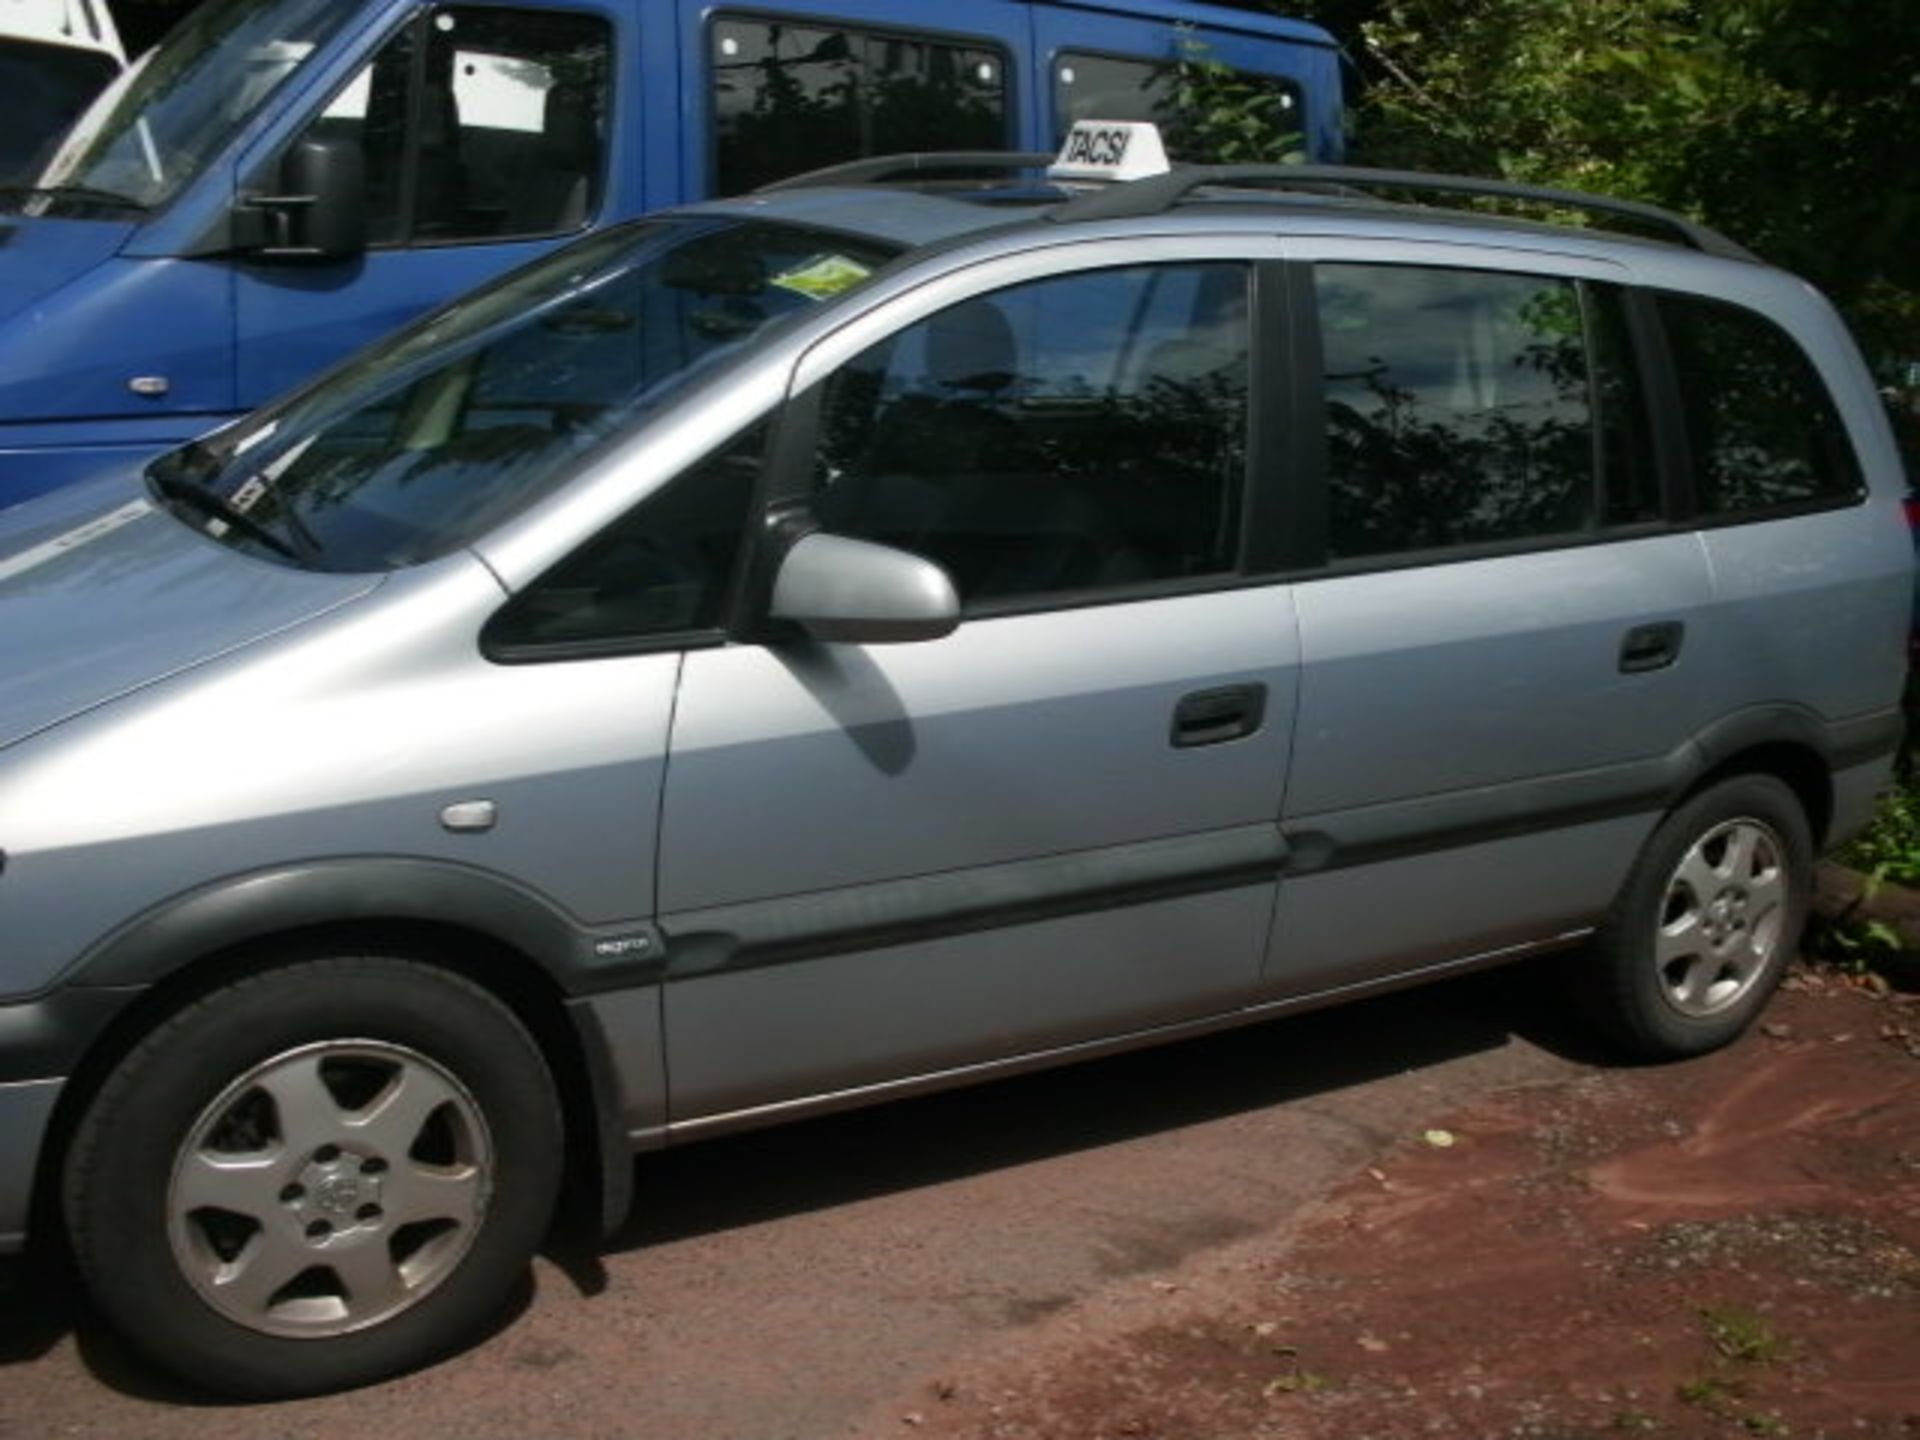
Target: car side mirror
{"x":840,"y":589}
{"x":321,"y":210}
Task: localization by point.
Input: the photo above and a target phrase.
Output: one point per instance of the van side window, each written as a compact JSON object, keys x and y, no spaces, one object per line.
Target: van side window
{"x":789,"y":98}
{"x":1761,"y":429}
{"x":662,"y":569}
{"x":478,"y":123}
{"x":1083,"y":433}
{"x":1088,"y":85}
{"x":1469,"y":407}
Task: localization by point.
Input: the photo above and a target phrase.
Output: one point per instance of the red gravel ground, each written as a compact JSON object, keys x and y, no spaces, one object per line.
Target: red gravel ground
{"x":1725,"y":1247}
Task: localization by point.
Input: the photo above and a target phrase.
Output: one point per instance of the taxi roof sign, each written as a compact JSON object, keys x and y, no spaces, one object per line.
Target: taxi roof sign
{"x":1111,"y":150}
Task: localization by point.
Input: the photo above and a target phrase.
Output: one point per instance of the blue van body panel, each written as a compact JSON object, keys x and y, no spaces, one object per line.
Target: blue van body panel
{"x":295,"y":320}
{"x":36,"y":459}
{"x":73,"y":355}
{"x":79,"y":324}
{"x":657,"y":166}
{"x":41,"y":257}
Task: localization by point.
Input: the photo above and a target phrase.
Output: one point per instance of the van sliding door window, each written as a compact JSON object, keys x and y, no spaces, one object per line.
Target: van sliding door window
{"x":478,"y":123}
{"x":1168,"y":93}
{"x":789,"y":98}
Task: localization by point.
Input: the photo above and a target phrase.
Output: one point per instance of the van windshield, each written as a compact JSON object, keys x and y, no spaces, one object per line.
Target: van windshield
{"x":47,"y":86}
{"x":148,"y":136}
{"x":430,"y":439}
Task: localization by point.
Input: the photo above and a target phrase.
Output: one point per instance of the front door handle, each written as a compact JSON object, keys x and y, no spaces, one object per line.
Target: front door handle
{"x":1651,"y":647}
{"x":1207,"y":717}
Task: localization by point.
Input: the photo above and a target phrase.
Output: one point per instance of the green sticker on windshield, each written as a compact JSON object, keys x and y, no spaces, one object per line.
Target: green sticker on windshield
{"x":823,"y":277}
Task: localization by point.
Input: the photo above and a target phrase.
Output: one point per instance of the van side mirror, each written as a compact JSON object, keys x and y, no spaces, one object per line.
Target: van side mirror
{"x":321,"y":210}
{"x":840,"y":589}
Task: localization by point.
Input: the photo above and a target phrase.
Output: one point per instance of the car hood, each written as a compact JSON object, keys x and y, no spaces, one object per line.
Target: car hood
{"x":102,"y":592}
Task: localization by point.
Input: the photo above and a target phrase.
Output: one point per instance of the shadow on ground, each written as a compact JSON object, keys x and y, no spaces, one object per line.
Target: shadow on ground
{"x":790,"y":1170}
{"x":41,"y":1303}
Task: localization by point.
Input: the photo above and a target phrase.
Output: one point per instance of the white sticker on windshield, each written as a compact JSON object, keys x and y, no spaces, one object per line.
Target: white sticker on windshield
{"x":73,"y":539}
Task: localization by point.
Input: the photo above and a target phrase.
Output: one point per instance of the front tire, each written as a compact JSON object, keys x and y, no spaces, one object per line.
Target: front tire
{"x":1705,"y":924}
{"x":316,"y":1177}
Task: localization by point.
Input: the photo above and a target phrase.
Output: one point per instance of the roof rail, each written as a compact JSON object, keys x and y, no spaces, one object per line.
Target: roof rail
{"x":875,"y":168}
{"x":1158,"y":193}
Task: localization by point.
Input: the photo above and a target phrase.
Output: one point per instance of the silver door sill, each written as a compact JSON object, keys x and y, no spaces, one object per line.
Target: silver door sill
{"x":727,"y":1121}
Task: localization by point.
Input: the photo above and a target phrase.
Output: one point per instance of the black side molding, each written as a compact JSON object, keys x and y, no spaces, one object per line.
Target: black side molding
{"x":1365,"y":834}
{"x":898,"y":912}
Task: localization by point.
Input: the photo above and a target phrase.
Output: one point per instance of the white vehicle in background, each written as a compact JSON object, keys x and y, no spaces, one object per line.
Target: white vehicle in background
{"x":55,"y":56}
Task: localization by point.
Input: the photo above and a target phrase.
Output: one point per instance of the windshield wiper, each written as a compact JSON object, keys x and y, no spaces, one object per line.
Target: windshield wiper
{"x":85,"y":194}
{"x":214,"y":505}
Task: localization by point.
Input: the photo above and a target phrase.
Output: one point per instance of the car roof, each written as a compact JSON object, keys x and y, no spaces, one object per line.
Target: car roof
{"x":909,"y":217}
{"x":928,"y":211}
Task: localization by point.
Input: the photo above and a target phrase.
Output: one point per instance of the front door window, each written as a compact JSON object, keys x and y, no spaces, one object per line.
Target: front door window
{"x":478,"y":123}
{"x":1077,"y":435}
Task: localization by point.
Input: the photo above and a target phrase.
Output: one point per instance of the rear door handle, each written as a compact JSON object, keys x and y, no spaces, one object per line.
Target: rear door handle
{"x":1208,"y":717}
{"x":1651,"y":647}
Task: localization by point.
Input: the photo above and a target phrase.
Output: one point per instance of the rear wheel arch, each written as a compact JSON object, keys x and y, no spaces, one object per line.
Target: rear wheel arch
{"x":1797,"y":764}
{"x":1705,"y":921}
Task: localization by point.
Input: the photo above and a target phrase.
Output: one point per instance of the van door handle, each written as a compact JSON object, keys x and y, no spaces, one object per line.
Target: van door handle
{"x":1651,"y":647}
{"x":1207,"y":717}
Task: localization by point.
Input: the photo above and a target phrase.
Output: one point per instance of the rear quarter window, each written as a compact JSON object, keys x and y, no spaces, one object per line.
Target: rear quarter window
{"x":1762,"y":432}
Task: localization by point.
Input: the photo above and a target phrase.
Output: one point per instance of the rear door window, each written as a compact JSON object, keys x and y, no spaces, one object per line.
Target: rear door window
{"x":1467,"y":407}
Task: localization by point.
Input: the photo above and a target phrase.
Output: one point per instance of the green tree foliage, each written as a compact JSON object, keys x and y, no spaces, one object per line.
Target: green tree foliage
{"x":1794,"y":125}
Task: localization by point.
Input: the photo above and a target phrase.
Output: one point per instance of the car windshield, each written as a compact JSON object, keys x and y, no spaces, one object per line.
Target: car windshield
{"x":437,"y":435}
{"x":46,"y":87}
{"x":146,"y":137}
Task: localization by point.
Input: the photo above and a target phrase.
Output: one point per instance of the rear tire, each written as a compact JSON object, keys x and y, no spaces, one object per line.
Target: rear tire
{"x":316,"y":1177}
{"x":1705,"y":924}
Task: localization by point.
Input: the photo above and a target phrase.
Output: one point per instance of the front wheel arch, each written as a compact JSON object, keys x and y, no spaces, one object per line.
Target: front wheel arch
{"x":597,"y":1164}
{"x":188,"y":1169}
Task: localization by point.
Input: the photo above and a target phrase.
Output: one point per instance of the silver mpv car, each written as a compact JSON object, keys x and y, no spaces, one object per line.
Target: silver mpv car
{"x":798,"y":651}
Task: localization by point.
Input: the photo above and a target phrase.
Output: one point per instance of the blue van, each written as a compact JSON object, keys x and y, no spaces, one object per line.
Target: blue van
{"x":282,"y":181}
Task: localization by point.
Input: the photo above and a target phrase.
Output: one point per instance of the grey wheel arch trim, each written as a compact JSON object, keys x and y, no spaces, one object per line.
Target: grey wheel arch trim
{"x":1841,"y":743}
{"x":580,"y":959}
